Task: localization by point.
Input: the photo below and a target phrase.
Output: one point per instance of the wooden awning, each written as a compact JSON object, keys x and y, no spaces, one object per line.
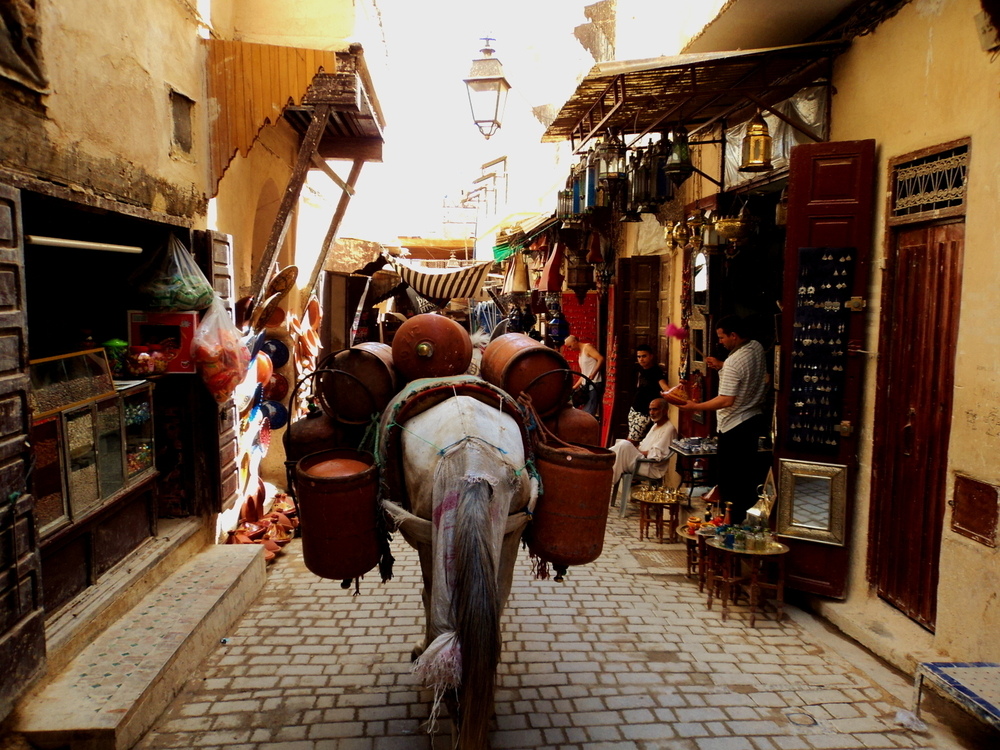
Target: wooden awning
{"x":253,"y":85}
{"x":694,"y":90}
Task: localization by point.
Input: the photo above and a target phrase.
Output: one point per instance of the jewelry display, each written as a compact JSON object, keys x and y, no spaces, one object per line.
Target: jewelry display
{"x":819,"y":347}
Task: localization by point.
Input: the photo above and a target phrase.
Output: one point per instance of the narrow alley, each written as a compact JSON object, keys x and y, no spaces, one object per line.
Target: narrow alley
{"x":623,"y":654}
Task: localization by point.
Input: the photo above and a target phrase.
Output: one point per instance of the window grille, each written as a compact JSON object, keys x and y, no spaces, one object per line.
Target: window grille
{"x":931,"y":183}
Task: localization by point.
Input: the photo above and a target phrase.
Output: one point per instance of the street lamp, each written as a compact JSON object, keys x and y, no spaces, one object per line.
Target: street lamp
{"x":487,"y":91}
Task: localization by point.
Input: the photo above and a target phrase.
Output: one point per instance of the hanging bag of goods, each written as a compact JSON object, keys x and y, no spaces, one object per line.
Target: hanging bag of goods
{"x":173,"y":280}
{"x":221,"y":355}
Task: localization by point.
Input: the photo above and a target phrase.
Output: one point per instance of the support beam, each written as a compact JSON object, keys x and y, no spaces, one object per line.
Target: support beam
{"x":321,"y":114}
{"x":331,"y":234}
{"x":325,"y":169}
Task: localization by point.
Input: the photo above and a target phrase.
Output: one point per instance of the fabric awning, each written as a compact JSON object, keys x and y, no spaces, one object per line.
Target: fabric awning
{"x":518,"y":236}
{"x":443,"y":284}
{"x":639,"y":96}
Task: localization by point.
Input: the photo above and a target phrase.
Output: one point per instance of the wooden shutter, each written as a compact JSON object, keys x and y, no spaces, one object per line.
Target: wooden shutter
{"x":22,"y":624}
{"x":830,"y":193}
{"x":215,"y":256}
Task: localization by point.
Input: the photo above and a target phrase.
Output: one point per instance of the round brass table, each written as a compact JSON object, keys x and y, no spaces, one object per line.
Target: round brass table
{"x":733,"y":571}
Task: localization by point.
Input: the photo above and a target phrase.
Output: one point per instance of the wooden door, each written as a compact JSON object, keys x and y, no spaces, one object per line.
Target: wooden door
{"x":913,"y":417}
{"x":830,"y":192}
{"x":636,"y":321}
{"x":22,"y":624}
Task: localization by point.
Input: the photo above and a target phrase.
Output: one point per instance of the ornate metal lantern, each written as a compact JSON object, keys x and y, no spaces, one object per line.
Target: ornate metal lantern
{"x":487,"y":90}
{"x":678,"y":166}
{"x":756,"y":146}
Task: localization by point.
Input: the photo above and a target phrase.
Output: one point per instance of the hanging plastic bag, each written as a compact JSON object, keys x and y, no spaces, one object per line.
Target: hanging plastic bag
{"x":173,"y":281}
{"x":219,"y":351}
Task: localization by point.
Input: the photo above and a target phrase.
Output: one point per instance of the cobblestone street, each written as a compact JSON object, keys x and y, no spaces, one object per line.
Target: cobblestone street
{"x":623,"y":654}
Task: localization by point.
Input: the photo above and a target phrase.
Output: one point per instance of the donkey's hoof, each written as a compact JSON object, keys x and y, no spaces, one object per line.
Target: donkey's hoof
{"x":346,"y":583}
{"x":560,"y":573}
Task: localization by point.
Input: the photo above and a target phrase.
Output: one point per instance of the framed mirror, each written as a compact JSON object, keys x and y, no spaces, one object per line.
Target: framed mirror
{"x":699,"y":280}
{"x":698,"y":340}
{"x":812,"y":501}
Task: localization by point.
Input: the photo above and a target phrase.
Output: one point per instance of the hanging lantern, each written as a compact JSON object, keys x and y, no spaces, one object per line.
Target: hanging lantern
{"x":590,"y":181}
{"x":611,"y":159}
{"x":756,"y":146}
{"x":487,"y":89}
{"x":678,"y":166}
{"x":578,"y":175}
{"x":637,"y":181}
{"x":660,"y":187}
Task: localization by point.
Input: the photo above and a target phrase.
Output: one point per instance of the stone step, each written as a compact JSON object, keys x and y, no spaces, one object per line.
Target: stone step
{"x":113,"y":691}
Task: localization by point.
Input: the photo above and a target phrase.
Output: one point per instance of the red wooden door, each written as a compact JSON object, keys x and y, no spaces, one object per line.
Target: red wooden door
{"x":830,"y":191}
{"x":913,"y":417}
{"x":22,"y":623}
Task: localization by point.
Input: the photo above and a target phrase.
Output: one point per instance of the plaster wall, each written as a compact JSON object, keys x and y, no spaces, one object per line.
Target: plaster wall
{"x":109,"y":125}
{"x":249,"y":197}
{"x":313,"y":24}
{"x":919,"y":80}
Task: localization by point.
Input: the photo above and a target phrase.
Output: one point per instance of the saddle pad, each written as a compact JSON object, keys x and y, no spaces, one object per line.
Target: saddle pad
{"x":419,"y":396}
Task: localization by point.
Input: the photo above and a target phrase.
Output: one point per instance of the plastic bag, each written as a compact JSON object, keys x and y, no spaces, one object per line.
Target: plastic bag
{"x":221,"y":356}
{"x":173,"y":281}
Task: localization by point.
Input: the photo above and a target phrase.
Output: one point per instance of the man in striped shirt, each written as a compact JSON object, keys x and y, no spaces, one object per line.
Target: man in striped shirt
{"x":740,"y":419}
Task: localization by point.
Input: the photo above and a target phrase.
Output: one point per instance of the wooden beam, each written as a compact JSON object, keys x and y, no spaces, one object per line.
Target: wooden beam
{"x":331,"y":234}
{"x":325,"y":168}
{"x":288,"y":202}
{"x":349,"y":147}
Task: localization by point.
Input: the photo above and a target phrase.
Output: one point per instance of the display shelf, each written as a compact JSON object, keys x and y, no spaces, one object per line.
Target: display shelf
{"x":90,"y":454}
{"x":47,"y":478}
{"x":60,"y":383}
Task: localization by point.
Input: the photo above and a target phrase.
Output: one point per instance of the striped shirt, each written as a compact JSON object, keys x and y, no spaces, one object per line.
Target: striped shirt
{"x":744,"y":376}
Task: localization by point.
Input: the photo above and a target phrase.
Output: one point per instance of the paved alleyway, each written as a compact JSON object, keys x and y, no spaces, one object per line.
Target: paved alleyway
{"x":623,"y":654}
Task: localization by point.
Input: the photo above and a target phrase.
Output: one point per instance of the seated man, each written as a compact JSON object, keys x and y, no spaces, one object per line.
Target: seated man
{"x":655,"y":445}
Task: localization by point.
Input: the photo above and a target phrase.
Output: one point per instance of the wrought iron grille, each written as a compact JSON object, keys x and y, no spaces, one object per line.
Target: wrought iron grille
{"x":931,"y":183}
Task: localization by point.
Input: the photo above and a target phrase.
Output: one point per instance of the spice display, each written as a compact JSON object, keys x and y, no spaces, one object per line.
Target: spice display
{"x":83,"y":492}
{"x":136,"y":412}
{"x":139,"y":457}
{"x":80,"y":432}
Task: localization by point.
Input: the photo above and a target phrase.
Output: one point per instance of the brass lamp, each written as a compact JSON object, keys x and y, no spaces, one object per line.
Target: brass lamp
{"x":756,"y":146}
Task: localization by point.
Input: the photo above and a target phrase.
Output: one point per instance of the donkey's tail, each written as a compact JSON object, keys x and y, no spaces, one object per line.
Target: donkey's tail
{"x":476,"y":603}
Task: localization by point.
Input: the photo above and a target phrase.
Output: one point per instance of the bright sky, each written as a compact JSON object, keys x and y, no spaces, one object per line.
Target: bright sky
{"x":433,"y":151}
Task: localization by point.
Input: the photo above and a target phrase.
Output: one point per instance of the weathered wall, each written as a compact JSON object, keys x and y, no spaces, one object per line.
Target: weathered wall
{"x":107,"y":124}
{"x":315,"y":24}
{"x":934,"y":85}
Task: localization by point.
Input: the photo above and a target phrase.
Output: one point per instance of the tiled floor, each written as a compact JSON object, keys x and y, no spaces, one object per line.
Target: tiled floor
{"x":623,"y":654}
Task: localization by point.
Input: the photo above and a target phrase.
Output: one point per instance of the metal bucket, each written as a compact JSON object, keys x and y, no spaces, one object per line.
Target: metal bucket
{"x":571,"y":515}
{"x":517,"y":363}
{"x":338,"y":507}
{"x":361,"y":382}
{"x":431,"y":346}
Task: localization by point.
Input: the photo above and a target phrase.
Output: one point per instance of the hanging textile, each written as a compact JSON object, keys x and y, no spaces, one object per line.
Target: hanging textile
{"x":443,"y":284}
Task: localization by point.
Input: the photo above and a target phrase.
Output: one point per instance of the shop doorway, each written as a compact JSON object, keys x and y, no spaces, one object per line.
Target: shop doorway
{"x":635,"y":321}
{"x":919,"y":330}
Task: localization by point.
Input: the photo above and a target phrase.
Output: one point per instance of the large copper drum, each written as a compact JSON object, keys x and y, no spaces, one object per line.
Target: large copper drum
{"x":572,"y":512}
{"x":361,"y":383}
{"x":517,"y":363}
{"x":575,"y":426}
{"x":431,"y":346}
{"x":337,"y":497}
